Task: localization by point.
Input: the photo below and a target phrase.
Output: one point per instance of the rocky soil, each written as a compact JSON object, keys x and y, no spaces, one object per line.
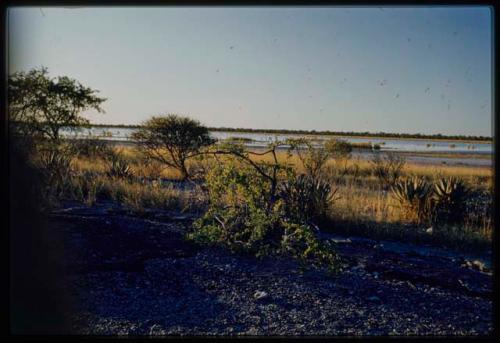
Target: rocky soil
{"x":131,"y":275}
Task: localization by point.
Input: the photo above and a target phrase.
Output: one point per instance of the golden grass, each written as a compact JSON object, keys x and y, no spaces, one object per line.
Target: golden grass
{"x":475,"y":176}
{"x":470,"y":174}
{"x":135,"y":195}
{"x":359,"y":199}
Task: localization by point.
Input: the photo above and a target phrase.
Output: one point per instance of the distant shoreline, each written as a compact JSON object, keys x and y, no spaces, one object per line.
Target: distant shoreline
{"x":382,"y":135}
{"x":428,"y":158}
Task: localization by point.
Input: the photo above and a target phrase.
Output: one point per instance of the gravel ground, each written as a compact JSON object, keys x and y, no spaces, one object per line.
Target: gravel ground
{"x":136,"y":276}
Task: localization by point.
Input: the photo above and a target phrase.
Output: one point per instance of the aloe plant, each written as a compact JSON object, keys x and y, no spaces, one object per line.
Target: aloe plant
{"x":306,"y":197}
{"x":413,"y":194}
{"x":449,"y":199}
{"x":119,"y":168}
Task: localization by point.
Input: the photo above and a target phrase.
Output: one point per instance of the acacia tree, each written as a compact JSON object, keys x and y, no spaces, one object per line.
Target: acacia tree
{"x":172,"y":140}
{"x":40,"y":105}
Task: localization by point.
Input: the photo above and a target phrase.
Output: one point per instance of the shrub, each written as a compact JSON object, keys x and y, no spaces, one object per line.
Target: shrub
{"x":246,"y":216}
{"x":387,"y":169}
{"x":338,"y":149}
{"x":313,"y":158}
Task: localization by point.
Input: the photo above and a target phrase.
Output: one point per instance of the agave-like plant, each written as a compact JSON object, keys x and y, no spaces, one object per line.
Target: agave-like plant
{"x":306,"y":197}
{"x":55,"y":164}
{"x":55,"y":160}
{"x":119,"y":168}
{"x":413,"y":195}
{"x":449,"y":198}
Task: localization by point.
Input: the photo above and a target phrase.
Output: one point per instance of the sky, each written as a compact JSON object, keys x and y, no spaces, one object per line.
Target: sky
{"x":392,"y":69}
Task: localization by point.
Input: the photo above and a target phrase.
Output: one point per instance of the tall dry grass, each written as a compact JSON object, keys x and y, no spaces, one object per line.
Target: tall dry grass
{"x":359,"y":200}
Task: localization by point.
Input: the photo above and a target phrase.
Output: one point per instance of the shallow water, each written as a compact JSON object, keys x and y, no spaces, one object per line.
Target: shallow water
{"x":397,"y":145}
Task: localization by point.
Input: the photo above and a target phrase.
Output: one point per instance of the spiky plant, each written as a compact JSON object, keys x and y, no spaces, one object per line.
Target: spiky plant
{"x":305,"y":197}
{"x":55,"y":164}
{"x":449,"y":199}
{"x":412,"y":195}
{"x":119,"y":168}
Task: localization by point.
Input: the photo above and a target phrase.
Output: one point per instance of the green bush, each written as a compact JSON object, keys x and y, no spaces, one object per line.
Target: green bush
{"x":246,"y":216}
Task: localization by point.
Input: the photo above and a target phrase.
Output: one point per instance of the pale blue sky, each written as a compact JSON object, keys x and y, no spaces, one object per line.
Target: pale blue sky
{"x":401,"y":69}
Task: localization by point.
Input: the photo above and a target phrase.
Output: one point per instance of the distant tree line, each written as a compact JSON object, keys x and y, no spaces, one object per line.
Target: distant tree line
{"x":332,"y":133}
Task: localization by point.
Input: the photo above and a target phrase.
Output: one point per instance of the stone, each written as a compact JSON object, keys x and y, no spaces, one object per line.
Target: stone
{"x":258,"y":295}
{"x":374,"y":299}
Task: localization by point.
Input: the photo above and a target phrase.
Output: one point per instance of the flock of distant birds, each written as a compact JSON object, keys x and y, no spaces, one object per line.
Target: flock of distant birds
{"x":384,"y":82}
{"x":380,"y":82}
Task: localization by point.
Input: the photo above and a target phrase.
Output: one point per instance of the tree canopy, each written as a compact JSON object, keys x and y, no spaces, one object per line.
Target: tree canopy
{"x":172,"y":139}
{"x":41,"y":105}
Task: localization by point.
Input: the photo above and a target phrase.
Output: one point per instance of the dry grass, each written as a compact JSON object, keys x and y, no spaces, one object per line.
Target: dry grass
{"x":359,"y":201}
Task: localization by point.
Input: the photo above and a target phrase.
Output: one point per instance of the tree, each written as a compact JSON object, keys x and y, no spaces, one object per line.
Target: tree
{"x":40,"y":105}
{"x":172,"y":140}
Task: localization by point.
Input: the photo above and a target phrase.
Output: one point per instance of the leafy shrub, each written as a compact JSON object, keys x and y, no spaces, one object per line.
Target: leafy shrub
{"x":449,"y":199}
{"x":246,"y":216}
{"x":413,"y":197}
{"x":387,"y":169}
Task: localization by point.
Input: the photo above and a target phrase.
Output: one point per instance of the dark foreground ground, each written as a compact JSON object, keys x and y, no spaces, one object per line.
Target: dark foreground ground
{"x":137,"y":276}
